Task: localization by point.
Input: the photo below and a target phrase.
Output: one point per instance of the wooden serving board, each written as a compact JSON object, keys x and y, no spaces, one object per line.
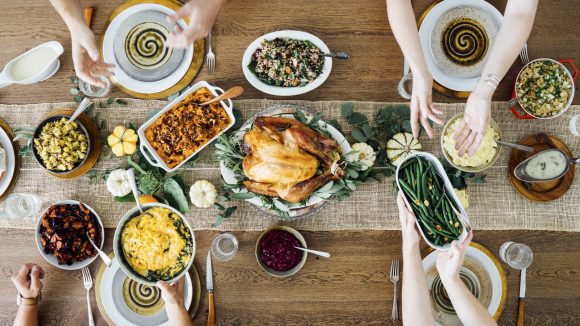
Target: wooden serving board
{"x":540,"y":191}
{"x":96,"y":145}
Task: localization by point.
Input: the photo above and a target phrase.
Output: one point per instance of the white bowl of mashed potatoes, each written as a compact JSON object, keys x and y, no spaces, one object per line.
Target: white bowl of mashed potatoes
{"x":157,"y":244}
{"x":484,"y":157}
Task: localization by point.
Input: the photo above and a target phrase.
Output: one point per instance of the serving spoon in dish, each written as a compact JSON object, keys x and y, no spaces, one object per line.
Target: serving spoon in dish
{"x":314,"y":252}
{"x":103,"y":255}
{"x":131,"y":178}
{"x":229,"y":94}
{"x":337,"y":55}
{"x":516,"y":146}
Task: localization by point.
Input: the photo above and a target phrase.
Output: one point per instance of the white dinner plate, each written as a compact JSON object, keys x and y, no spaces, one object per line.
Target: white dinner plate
{"x":117,"y":309}
{"x":123,"y":78}
{"x":229,"y":175}
{"x":6,"y":143}
{"x":286,"y":91}
{"x":490,"y":278}
{"x":425,"y":34}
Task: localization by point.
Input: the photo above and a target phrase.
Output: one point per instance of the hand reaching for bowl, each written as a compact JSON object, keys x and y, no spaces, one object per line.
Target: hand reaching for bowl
{"x":474,"y":125}
{"x":172,"y":294}
{"x":202,"y":14}
{"x":422,"y":106}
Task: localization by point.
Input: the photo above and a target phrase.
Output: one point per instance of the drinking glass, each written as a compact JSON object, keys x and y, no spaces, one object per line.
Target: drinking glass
{"x":575,"y":125}
{"x":20,"y":205}
{"x":95,"y":91}
{"x":224,"y":247}
{"x":517,"y":255}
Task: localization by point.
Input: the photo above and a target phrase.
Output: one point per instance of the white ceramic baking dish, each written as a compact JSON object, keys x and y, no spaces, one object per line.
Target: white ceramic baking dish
{"x":151,"y":154}
{"x":450,"y":193}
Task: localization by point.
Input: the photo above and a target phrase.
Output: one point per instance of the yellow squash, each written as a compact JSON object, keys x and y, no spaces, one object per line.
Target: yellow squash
{"x":123,"y":141}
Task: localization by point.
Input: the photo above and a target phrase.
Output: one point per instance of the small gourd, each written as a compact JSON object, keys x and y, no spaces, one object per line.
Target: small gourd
{"x":123,"y":141}
{"x":400,"y":146}
{"x":203,"y":194}
{"x":118,"y":184}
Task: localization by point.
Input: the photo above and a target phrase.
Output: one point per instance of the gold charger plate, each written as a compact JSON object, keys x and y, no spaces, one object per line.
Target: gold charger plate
{"x":4,"y":125}
{"x":96,"y":145}
{"x":195,"y":282}
{"x":497,"y":265}
{"x":197,"y":60}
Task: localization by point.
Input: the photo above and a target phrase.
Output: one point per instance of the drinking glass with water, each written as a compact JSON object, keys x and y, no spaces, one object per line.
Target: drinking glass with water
{"x":20,"y":205}
{"x":224,"y":246}
{"x":517,"y":255}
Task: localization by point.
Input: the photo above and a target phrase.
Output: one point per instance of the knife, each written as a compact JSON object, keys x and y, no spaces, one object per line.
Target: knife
{"x":520,"y":320}
{"x":209,"y":285}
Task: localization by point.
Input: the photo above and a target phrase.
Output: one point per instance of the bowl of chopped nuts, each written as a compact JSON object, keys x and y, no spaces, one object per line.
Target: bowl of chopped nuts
{"x":60,"y":147}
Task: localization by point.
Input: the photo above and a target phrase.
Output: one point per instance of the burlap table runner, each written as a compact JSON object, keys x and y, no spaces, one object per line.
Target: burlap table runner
{"x":495,"y":205}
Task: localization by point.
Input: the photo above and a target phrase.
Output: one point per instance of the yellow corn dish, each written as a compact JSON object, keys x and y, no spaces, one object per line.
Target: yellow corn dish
{"x":482,"y":156}
{"x":157,"y":244}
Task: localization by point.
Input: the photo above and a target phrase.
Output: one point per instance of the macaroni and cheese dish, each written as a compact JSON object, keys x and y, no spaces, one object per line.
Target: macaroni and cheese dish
{"x":544,"y":88}
{"x":180,"y":132}
{"x":157,"y":244}
{"x":482,"y":156}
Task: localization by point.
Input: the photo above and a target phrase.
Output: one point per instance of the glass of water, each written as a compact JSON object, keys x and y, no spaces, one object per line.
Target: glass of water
{"x":95,"y":91}
{"x":20,"y":205}
{"x":517,"y":255}
{"x":224,"y":246}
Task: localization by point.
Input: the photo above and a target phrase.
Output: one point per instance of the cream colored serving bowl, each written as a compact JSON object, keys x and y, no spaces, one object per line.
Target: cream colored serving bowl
{"x":473,"y":169}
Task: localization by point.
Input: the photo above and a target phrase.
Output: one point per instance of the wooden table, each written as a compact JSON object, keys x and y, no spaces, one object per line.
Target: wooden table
{"x":353,"y":287}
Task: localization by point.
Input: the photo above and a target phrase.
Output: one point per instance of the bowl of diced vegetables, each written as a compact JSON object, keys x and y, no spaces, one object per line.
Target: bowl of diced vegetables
{"x":427,"y":190}
{"x":58,"y":147}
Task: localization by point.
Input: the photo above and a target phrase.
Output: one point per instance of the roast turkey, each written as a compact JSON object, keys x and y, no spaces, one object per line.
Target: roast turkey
{"x":283,"y":156}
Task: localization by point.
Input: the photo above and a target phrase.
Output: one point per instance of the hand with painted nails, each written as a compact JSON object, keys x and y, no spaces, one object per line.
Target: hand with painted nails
{"x":86,"y":58}
{"x":475,"y":122}
{"x":202,"y":14}
{"x":27,"y":281}
{"x":422,"y":107}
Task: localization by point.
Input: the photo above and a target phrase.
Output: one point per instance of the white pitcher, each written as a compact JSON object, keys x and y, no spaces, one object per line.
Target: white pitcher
{"x":33,"y":66}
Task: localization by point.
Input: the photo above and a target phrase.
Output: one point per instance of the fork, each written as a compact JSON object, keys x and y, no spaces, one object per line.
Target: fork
{"x":524,"y":54}
{"x":395,"y":279}
{"x":88,"y":280}
{"x":210,"y":59}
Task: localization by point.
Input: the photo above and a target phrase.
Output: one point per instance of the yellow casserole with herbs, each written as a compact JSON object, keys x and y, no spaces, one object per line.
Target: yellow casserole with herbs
{"x":157,"y":244}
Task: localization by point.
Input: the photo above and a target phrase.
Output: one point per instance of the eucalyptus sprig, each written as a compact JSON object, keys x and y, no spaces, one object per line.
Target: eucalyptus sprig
{"x":223,"y":214}
{"x":26,"y":134}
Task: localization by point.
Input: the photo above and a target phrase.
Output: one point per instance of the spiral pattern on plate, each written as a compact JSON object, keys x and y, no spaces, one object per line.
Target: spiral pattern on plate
{"x":142,"y":299}
{"x":465,"y":41}
{"x":145,"y":46}
{"x":439,"y":295}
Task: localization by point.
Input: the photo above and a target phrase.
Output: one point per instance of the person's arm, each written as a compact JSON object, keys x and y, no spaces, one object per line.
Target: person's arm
{"x":469,"y":310}
{"x":86,"y":57}
{"x":416,"y":303}
{"x":202,"y":14}
{"x":28,"y":284}
{"x":402,"y":21}
{"x":513,"y":34}
{"x":173,"y":296}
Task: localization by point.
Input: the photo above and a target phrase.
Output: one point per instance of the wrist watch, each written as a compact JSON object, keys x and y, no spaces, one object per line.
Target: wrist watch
{"x":22,"y":301}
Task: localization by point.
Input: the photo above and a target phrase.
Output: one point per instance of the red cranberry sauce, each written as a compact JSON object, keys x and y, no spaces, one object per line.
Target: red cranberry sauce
{"x":277,"y":250}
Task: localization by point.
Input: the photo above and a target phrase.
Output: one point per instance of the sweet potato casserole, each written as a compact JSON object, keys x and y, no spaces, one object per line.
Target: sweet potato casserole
{"x":186,"y":127}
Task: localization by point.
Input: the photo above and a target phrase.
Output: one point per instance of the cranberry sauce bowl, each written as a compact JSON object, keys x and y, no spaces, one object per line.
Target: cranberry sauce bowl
{"x":276,"y":254}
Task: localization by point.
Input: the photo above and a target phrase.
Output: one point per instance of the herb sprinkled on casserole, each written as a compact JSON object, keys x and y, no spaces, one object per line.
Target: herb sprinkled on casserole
{"x":287,"y":62}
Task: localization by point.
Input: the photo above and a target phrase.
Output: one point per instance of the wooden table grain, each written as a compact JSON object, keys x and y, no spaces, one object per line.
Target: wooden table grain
{"x":351,"y":288}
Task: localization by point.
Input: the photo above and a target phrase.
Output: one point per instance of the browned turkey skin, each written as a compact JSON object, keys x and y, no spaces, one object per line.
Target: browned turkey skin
{"x":282,"y":157}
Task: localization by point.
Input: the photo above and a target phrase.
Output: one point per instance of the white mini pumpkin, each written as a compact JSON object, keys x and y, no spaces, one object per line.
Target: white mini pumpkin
{"x":400,"y":146}
{"x":118,"y":184}
{"x":203,"y":194}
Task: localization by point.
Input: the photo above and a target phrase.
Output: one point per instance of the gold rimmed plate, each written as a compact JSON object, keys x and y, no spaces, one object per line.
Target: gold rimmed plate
{"x":123,"y":301}
{"x":145,"y":40}
{"x":8,"y":177}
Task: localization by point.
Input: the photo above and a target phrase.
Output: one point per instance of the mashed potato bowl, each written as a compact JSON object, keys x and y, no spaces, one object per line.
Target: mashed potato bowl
{"x":484,"y":157}
{"x":160,"y":246}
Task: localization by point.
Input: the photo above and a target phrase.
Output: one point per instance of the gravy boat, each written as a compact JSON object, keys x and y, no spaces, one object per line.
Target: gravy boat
{"x":7,"y":76}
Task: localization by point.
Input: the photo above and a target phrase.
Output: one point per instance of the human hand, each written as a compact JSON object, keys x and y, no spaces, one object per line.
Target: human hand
{"x":422,"y":107}
{"x":202,"y":14}
{"x":27,"y":280}
{"x":86,"y":58}
{"x":407,"y":219}
{"x":475,"y":122}
{"x":172,"y":293}
{"x":449,"y":262}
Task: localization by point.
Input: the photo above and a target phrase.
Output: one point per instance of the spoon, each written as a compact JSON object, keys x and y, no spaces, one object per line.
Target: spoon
{"x":520,"y":170}
{"x":103,"y":255}
{"x":230,"y":93}
{"x":516,"y":146}
{"x":131,"y":177}
{"x":314,"y":252}
{"x":85,"y":103}
{"x":337,"y":55}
